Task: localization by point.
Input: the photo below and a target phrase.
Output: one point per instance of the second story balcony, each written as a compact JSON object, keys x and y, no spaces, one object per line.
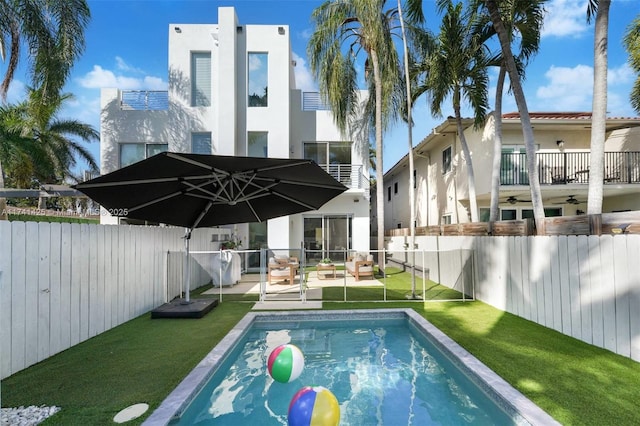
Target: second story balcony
{"x":350,"y":175}
{"x":144,"y":100}
{"x":569,"y":168}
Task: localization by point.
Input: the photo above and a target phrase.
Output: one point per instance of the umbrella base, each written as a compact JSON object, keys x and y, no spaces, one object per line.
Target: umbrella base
{"x":178,"y":308}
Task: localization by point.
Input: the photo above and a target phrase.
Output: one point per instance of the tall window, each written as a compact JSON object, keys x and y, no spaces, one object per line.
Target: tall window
{"x":258,"y":79}
{"x":201,"y":79}
{"x":133,"y":152}
{"x":201,"y":143}
{"x":325,"y":153}
{"x":447,"y":155}
{"x":257,"y":144}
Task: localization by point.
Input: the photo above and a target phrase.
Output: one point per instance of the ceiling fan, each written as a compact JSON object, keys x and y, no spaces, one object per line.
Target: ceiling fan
{"x":512,"y":200}
{"x":570,"y":200}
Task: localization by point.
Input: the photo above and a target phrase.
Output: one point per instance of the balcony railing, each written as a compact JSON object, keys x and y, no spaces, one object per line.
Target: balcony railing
{"x":312,"y":101}
{"x":569,"y":167}
{"x":350,"y":175}
{"x":144,"y":100}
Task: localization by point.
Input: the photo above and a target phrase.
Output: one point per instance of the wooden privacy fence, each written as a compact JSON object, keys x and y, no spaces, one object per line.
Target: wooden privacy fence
{"x":586,"y":287}
{"x":62,"y":283}
{"x":595,"y":224}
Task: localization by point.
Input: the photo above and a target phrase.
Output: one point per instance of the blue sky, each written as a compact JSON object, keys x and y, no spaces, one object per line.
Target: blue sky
{"x":126,"y":47}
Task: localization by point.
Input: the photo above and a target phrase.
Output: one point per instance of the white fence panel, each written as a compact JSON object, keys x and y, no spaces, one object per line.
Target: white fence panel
{"x":6,"y":302}
{"x":61,"y":284}
{"x":633,"y":247}
{"x":622,"y":267}
{"x":43,"y":291}
{"x":583,"y":286}
{"x":564,"y":284}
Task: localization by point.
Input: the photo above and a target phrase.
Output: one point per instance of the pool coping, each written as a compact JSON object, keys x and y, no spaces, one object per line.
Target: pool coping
{"x":511,"y":400}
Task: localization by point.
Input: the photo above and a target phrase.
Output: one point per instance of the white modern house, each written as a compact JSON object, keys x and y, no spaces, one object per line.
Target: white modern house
{"x":231,"y":91}
{"x":562,"y":141}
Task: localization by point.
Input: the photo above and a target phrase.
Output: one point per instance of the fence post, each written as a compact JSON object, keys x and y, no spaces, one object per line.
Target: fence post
{"x":595,"y":224}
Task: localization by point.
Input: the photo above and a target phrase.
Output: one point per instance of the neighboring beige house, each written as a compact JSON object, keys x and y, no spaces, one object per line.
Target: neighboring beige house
{"x":562,"y":145}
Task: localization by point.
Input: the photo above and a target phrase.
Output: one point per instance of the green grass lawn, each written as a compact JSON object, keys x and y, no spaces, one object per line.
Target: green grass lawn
{"x":143,"y":360}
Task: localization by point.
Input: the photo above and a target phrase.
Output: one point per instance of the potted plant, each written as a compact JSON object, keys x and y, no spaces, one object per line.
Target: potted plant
{"x":326,"y":261}
{"x":231,"y":244}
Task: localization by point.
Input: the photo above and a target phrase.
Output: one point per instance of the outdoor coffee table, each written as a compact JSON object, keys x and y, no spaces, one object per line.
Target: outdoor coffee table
{"x":329,"y":269}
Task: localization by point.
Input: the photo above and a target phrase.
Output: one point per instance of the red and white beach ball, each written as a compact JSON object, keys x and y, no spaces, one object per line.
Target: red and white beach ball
{"x":314,"y":406}
{"x":285,"y":363}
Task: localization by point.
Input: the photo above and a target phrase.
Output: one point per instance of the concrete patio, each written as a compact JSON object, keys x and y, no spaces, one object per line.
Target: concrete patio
{"x":282,"y":295}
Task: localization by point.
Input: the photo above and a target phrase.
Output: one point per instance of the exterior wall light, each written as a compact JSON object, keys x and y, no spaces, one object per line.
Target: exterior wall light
{"x":560,"y":143}
{"x":281,"y":30}
{"x":177,"y":29}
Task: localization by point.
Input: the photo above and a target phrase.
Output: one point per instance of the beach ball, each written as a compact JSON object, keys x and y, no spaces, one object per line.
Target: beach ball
{"x":314,"y":406}
{"x":285,"y":363}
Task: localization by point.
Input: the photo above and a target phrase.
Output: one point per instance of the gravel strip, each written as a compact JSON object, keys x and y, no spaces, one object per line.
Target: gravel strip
{"x":26,"y":416}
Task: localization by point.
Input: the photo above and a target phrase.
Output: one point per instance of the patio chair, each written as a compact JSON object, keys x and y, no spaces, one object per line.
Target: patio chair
{"x":282,"y":268}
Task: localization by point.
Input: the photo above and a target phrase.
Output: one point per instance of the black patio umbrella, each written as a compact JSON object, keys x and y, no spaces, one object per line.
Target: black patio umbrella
{"x":196,"y":190}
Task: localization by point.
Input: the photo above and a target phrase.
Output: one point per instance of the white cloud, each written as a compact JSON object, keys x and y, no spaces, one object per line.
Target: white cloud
{"x":621,"y":75}
{"x":254,"y":62}
{"x":99,"y":77}
{"x":569,"y":89}
{"x":565,"y":18}
{"x":17,"y":92}
{"x":304,"y":78}
{"x":123,"y":66}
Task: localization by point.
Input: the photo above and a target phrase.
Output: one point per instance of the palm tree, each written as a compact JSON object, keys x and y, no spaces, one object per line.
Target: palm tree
{"x":599,"y":108}
{"x":527,"y":129}
{"x":522,"y":20}
{"x":458,"y":68}
{"x":37,"y":147}
{"x":365,"y":28}
{"x":632,"y":44}
{"x":54,"y":33}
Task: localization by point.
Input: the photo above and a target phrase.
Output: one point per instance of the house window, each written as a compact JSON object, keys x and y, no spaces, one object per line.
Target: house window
{"x":258,"y":79}
{"x":446,"y":219}
{"x":201,"y":143}
{"x":201,"y":79}
{"x":334,"y":157}
{"x":257,"y":144}
{"x":395,"y":187}
{"x":133,"y":152}
{"x":415,"y":179}
{"x":446,"y":159}
{"x":508,"y":214}
{"x":389,"y":193}
{"x":485,"y":214}
{"x":326,"y":153}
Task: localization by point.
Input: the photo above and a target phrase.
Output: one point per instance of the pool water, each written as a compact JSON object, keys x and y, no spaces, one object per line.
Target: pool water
{"x":383,"y":372}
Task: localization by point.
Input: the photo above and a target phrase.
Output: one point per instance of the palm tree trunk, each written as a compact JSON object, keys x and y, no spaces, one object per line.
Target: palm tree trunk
{"x":527,"y":130}
{"x":599,"y":114}
{"x":473,"y":204}
{"x":379,"y":166}
{"x":497,"y":148}
{"x":412,"y":183}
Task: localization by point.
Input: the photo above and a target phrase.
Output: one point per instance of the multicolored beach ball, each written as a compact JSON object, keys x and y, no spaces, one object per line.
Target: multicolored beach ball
{"x":314,"y":406}
{"x":285,"y":363}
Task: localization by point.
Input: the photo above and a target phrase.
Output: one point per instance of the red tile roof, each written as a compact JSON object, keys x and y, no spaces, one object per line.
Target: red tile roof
{"x":562,"y":116}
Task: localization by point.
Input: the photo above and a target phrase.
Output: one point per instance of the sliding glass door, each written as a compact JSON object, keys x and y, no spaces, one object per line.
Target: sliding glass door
{"x":327,"y":236}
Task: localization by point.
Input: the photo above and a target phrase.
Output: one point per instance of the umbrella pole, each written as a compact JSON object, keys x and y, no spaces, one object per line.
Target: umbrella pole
{"x":186,"y":285}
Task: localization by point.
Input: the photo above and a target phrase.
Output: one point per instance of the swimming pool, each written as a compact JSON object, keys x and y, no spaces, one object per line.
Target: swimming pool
{"x":390,"y":367}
